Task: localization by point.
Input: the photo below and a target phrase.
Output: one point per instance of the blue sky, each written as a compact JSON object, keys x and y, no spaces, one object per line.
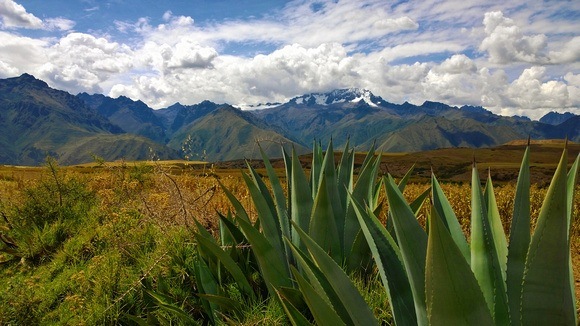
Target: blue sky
{"x":517,"y":57}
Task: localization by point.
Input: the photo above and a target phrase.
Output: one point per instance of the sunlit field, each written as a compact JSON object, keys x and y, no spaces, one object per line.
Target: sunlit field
{"x":128,"y":228}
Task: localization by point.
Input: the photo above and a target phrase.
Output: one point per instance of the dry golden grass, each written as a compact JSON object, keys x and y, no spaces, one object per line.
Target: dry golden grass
{"x":171,"y":200}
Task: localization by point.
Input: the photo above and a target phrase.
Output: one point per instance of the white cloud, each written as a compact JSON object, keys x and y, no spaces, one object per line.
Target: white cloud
{"x":60,"y":24}
{"x":81,"y":62}
{"x":409,"y":51}
{"x":505,"y":42}
{"x":530,"y":92}
{"x":457,"y":64}
{"x":569,"y":52}
{"x":22,"y":53}
{"x":7,"y":70}
{"x":286,"y":72}
{"x":413,"y":49}
{"x":15,"y":16}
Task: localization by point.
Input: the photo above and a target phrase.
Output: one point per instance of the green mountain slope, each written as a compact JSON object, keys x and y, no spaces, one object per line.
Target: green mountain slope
{"x":134,"y":117}
{"x":228,"y":133}
{"x":37,"y":121}
{"x":114,"y":147}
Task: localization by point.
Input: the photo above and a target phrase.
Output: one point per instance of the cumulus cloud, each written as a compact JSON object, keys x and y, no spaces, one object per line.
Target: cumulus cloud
{"x":7,"y":70}
{"x":291,"y":70}
{"x":15,"y":16}
{"x":569,"y":52}
{"x":22,"y":53}
{"x":505,"y":42}
{"x":457,"y":64}
{"x":188,"y":54}
{"x":409,"y":51}
{"x":81,"y":62}
{"x":529,"y":92}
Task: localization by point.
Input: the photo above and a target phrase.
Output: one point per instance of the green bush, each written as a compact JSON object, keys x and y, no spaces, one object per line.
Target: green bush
{"x":50,"y":213}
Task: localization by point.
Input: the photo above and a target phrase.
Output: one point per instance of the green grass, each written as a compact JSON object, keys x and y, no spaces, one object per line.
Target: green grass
{"x":121,"y":232}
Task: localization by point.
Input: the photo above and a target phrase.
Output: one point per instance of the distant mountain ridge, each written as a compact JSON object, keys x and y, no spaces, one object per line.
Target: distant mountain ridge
{"x":555,"y":118}
{"x":37,"y":121}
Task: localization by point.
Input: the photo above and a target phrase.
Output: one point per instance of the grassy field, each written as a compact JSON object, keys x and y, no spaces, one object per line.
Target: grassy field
{"x":102,"y":235}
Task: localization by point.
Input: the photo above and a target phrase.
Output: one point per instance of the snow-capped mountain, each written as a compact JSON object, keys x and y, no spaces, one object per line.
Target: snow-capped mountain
{"x":353,"y":95}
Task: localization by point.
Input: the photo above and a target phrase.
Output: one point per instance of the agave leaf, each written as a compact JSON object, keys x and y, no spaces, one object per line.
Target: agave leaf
{"x":262,"y":188}
{"x":359,"y":312}
{"x":359,"y":259}
{"x":206,"y":284}
{"x":485,"y":261}
{"x":316,"y":167}
{"x":323,"y":313}
{"x":203,"y":232}
{"x":338,"y":210}
{"x":228,"y":263}
{"x":412,"y":241}
{"x":164,"y":304}
{"x":231,"y":229}
{"x":389,"y":263}
{"x":288,"y":167}
{"x":301,"y":199}
{"x":323,"y":228}
{"x":546,"y":293}
{"x":296,"y":317}
{"x":294,"y":296}
{"x":345,"y":173}
{"x":279,"y":197}
{"x":419,"y":201}
{"x":363,"y":192}
{"x":519,"y":238}
{"x":453,"y":293}
{"x":225,"y":303}
{"x":137,"y":320}
{"x":268,"y":222}
{"x":445,"y":211}
{"x":405,"y":179}
{"x":570,"y":190}
{"x":319,"y":281}
{"x":370,"y":155}
{"x":240,"y":210}
{"x":274,"y":268}
{"x":496,"y":226}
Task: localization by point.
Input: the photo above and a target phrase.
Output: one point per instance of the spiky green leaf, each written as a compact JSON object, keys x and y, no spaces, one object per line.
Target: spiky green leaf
{"x":412,"y":241}
{"x":452,"y":292}
{"x":358,"y":310}
{"x":301,"y":199}
{"x":445,"y":211}
{"x":323,"y":228}
{"x":485,"y":261}
{"x":323,"y":312}
{"x":274,"y":269}
{"x":389,"y":263}
{"x":519,"y":238}
{"x":546,"y":293}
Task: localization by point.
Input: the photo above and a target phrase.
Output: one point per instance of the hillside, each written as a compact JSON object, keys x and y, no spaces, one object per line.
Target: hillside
{"x":37,"y":121}
{"x":226,"y":133}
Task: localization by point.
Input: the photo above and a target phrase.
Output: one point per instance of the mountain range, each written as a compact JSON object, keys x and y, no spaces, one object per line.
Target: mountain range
{"x":37,"y":121}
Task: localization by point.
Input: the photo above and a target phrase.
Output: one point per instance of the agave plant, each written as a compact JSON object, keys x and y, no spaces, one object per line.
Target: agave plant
{"x":436,"y":277}
{"x":317,"y":207}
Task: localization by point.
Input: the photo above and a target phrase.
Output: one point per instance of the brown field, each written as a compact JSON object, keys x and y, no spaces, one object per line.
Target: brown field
{"x":173,"y":193}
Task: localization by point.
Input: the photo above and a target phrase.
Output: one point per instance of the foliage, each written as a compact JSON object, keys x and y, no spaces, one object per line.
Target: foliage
{"x":142,"y":244}
{"x":463,"y":286}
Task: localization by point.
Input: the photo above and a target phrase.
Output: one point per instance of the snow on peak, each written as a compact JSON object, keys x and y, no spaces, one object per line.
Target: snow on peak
{"x":353,"y":95}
